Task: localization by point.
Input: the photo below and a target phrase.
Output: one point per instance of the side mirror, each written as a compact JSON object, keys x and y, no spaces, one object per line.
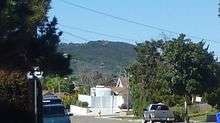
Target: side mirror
{"x":69,"y":114}
{"x":145,"y":109}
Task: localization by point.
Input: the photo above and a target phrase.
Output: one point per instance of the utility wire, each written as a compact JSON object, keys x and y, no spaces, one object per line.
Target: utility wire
{"x":97,"y":33}
{"x":76,"y":36}
{"x":130,"y":21}
{"x":116,"y":17}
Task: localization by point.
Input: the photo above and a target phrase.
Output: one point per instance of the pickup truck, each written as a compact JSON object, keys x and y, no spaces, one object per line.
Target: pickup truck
{"x":158,"y":113}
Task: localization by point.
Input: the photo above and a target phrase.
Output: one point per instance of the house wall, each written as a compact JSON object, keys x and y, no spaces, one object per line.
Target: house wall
{"x":75,"y":110}
{"x":85,"y":98}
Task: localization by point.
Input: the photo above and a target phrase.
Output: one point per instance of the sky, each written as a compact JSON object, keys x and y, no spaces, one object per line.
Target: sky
{"x":196,"y":18}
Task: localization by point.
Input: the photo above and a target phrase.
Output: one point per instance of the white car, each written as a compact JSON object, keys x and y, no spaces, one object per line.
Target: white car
{"x":158,"y":113}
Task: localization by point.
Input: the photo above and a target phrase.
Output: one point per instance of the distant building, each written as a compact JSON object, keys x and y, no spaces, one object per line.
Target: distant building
{"x":102,"y":99}
{"x":122,"y":89}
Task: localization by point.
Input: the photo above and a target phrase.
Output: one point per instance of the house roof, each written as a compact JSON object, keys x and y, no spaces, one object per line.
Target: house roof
{"x":121,"y":87}
{"x":122,"y":82}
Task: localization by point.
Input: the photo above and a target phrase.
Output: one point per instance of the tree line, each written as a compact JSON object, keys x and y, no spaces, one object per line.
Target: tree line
{"x":173,"y":71}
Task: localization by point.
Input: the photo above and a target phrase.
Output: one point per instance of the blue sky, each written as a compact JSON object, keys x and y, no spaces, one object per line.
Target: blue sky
{"x":194,"y":17}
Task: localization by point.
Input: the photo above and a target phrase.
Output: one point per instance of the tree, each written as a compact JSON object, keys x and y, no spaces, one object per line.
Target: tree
{"x":213,"y":98}
{"x":27,"y":39}
{"x":191,"y":68}
{"x":144,"y":74}
{"x":171,"y":71}
{"x":219,"y":10}
{"x":55,"y":83}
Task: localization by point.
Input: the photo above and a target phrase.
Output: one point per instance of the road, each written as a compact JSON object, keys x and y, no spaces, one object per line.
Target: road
{"x":86,"y":119}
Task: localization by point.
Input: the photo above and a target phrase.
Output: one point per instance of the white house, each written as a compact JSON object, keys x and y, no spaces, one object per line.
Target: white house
{"x":101,"y":99}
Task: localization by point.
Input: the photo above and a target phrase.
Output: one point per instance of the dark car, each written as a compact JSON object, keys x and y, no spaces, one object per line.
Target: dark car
{"x":55,"y":113}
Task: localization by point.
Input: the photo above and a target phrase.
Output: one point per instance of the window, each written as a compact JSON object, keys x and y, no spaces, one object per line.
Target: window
{"x":159,"y":107}
{"x":51,"y":101}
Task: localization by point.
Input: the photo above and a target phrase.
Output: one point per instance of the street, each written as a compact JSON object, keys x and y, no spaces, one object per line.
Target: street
{"x":87,"y":119}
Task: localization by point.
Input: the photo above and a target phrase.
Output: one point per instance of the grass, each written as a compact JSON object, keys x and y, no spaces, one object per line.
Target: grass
{"x":200,"y":114}
{"x":196,"y":112}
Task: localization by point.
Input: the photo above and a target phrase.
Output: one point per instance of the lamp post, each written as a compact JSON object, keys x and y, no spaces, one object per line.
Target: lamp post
{"x":35,"y":75}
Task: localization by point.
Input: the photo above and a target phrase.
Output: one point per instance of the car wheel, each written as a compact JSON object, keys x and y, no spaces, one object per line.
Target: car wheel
{"x":151,"y":121}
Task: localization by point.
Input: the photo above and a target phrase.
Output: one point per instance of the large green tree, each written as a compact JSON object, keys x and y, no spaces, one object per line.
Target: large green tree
{"x":27,"y":39}
{"x":144,"y":74}
{"x":169,"y":71}
{"x":191,"y":68}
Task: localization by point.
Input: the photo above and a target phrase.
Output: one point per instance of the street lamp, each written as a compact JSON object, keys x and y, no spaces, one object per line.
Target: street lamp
{"x":35,"y":75}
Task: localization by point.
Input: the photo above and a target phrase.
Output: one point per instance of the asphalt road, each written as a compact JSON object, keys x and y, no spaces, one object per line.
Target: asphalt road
{"x":86,"y":119}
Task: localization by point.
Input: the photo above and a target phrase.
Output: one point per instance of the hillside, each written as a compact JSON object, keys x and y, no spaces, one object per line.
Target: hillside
{"x":106,"y":56}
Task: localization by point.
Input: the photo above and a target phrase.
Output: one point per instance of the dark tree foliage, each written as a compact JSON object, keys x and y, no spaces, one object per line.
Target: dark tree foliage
{"x":27,"y":39}
{"x":192,"y":67}
{"x":172,"y":72}
{"x":219,"y":10}
{"x":144,"y":74}
{"x":213,"y":97}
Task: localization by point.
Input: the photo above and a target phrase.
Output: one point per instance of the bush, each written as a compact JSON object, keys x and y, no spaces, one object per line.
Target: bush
{"x":82,"y":104}
{"x":85,"y":104}
{"x":179,"y":113}
{"x":123,"y":106}
{"x":69,"y":100}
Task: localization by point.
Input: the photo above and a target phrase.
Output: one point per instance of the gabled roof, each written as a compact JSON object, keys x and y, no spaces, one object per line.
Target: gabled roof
{"x":122,"y":82}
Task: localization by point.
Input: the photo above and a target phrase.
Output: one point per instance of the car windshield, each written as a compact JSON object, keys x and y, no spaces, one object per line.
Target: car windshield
{"x":52,"y":101}
{"x":53,"y":110}
{"x":159,"y":107}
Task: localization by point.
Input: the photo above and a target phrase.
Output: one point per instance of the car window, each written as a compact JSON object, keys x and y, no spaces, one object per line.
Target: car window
{"x":53,"y":110}
{"x":159,"y":107}
{"x":51,"y":101}
{"x":163,"y":107}
{"x":154,"y":107}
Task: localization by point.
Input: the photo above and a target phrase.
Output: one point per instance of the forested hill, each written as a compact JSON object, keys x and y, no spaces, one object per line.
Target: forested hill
{"x":106,"y":56}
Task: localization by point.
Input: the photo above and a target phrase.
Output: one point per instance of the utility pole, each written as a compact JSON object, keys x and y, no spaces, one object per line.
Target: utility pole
{"x":59,"y":87}
{"x":127,"y":79}
{"x":128,"y":94}
{"x":35,"y":75}
{"x":186,"y":110}
{"x":35,"y":99}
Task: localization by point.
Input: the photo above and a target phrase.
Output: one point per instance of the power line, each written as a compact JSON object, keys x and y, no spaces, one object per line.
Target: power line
{"x":97,"y":33}
{"x":76,"y":36}
{"x":116,"y":17}
{"x":131,"y":21}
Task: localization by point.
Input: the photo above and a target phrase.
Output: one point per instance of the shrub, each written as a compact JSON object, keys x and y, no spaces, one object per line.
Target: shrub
{"x":69,"y":100}
{"x":85,"y":104}
{"x":82,"y":104}
{"x":179,"y":114}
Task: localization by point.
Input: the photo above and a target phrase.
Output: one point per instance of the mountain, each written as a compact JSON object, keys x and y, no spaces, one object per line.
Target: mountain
{"x":104,"y":56}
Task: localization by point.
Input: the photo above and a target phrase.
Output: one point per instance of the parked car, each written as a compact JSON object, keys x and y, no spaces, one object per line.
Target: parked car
{"x":55,"y":113}
{"x":158,"y":113}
